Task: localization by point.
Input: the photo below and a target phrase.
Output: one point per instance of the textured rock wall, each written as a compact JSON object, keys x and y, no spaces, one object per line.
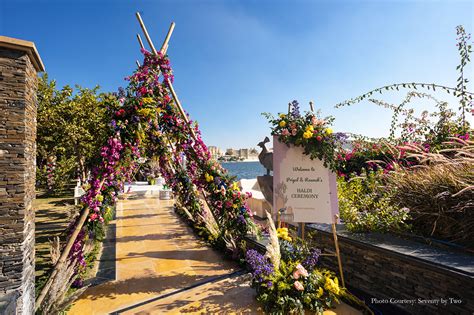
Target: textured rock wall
{"x":384,"y":275}
{"x":18,"y":81}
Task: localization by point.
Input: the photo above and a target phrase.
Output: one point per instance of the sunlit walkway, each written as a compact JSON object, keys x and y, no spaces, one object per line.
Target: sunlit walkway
{"x":162,"y":268}
{"x":155,"y":254}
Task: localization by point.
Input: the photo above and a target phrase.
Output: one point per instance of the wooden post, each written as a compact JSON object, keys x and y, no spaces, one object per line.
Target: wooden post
{"x":338,"y":254}
{"x":164,"y":47}
{"x":65,"y":253}
{"x":302,"y":230}
{"x":148,"y":39}
{"x":140,"y":41}
{"x":62,"y":259}
{"x":173,"y":93}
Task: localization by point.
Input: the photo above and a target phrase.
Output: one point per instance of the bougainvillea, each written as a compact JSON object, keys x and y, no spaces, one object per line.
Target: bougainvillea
{"x":145,"y":121}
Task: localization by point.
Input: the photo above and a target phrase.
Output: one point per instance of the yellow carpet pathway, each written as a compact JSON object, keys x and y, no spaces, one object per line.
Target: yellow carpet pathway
{"x":156,"y":254}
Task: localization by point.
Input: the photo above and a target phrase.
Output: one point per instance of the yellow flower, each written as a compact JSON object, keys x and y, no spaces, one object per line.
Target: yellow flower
{"x":209,"y":178}
{"x":144,"y":112}
{"x":147,"y":100}
{"x":319,"y":293}
{"x":309,"y":128}
{"x":235,"y":186}
{"x":283,"y":234}
{"x":235,"y":206}
{"x":100,"y":198}
{"x":328,"y":131}
{"x":307,"y":134}
{"x":332,"y":285}
{"x":282,"y":116}
{"x":282,"y":123}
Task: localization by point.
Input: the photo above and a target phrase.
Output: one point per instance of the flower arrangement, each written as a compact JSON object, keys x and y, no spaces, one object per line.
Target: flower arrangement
{"x":291,"y":282}
{"x":312,"y":133}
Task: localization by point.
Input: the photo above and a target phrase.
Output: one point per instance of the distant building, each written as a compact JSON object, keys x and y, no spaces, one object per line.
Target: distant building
{"x":215,"y":152}
{"x":243,"y":153}
{"x":240,"y":154}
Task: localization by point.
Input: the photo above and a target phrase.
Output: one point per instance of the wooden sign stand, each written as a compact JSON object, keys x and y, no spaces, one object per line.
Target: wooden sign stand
{"x":336,"y":243}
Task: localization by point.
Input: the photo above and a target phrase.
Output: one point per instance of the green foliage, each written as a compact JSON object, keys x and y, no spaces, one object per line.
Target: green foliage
{"x":365,"y":206}
{"x":71,"y":127}
{"x":465,"y":50}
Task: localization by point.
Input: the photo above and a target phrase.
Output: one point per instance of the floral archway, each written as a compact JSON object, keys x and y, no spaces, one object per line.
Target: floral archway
{"x":148,"y":121}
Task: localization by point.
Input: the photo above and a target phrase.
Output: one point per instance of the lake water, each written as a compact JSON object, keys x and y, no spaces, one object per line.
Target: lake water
{"x":245,"y":170}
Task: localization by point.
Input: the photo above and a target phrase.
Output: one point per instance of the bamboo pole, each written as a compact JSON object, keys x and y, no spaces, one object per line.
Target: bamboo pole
{"x":173,"y":93}
{"x":338,"y":254}
{"x":180,"y":108}
{"x":140,"y":41}
{"x":86,"y":211}
{"x":164,"y":47}
{"x":64,"y":254}
{"x":62,"y":259}
{"x":148,"y":39}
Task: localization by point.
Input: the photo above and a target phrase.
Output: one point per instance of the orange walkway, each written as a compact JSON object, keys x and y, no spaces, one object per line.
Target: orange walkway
{"x":155,"y":254}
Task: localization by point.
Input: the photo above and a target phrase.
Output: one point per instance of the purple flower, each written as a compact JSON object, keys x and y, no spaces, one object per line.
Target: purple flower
{"x":259,"y":265}
{"x":312,"y":259}
{"x":295,"y":109}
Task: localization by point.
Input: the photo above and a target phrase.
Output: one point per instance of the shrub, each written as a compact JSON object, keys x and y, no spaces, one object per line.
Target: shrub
{"x":365,"y":206}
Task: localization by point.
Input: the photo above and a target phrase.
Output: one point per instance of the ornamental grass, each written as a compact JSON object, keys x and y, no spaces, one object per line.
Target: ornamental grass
{"x":439,"y":191}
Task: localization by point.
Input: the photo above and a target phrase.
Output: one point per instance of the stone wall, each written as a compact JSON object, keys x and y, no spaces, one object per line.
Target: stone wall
{"x":18,"y":84}
{"x":380,"y":274}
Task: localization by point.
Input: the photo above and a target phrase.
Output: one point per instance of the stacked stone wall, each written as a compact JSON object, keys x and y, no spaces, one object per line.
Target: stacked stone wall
{"x":18,"y":104}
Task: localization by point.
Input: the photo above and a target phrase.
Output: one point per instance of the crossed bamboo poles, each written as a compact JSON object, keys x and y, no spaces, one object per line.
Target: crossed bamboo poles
{"x":64,"y":255}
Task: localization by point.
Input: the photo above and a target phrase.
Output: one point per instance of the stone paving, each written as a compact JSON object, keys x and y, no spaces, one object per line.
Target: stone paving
{"x":155,"y":254}
{"x":161,"y":267}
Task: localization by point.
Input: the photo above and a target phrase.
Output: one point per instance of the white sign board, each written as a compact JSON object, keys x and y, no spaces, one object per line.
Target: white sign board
{"x":304,"y":187}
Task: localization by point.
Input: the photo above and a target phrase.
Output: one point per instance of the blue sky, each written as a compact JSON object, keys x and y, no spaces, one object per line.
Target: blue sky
{"x":236,"y":59}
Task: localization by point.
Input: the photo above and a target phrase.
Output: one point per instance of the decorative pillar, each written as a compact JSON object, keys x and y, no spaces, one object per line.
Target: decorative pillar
{"x":19,"y":65}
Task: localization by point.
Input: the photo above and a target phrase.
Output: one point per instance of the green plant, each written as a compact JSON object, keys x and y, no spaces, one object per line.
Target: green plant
{"x":365,"y":206}
{"x":72,"y":125}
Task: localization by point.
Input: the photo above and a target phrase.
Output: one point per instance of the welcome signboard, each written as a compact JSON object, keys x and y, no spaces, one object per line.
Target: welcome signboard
{"x":305,"y":188}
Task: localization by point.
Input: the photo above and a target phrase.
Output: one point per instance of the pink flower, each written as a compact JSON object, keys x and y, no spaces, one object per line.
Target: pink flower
{"x":299,"y":286}
{"x":293,"y":132}
{"x":296,"y":274}
{"x":302,"y":271}
{"x":93,"y":217}
{"x":285,"y":132}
